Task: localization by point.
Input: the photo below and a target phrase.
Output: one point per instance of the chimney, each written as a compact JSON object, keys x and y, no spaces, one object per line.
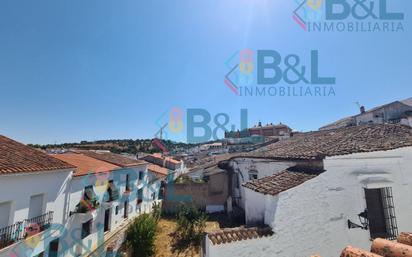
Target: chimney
{"x":362,"y":109}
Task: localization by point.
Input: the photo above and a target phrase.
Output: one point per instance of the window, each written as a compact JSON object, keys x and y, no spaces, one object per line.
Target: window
{"x":139,"y":196}
{"x":87,"y":228}
{"x":88,"y":202}
{"x":54,"y":248}
{"x":381,"y":213}
{"x":5,"y":209}
{"x":154,"y":196}
{"x":36,"y":206}
{"x":126,"y":210}
{"x":161,"y":193}
{"x":112,"y":192}
{"x":141,"y":175}
{"x":127,"y":182}
{"x":253,"y":174}
{"x":117,"y":210}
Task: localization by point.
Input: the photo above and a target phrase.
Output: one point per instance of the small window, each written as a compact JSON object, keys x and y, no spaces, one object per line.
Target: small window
{"x":36,"y":206}
{"x":87,"y":228}
{"x":141,"y":175}
{"x":89,"y":193}
{"x":140,"y":196}
{"x":381,"y":213}
{"x":112,"y":192}
{"x":54,"y":248}
{"x":5,"y":209}
{"x":154,"y":196}
{"x":253,"y":174}
{"x":126,"y":210}
{"x":161,"y":193}
{"x":127,"y":183}
{"x":117,"y":210}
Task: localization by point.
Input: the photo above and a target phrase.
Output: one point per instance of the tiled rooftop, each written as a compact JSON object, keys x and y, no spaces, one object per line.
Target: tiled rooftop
{"x":19,"y":158}
{"x":112,"y":158}
{"x":159,"y":171}
{"x":86,"y":164}
{"x":357,"y":139}
{"x":384,"y":248}
{"x":279,"y":182}
{"x":238,"y":234}
{"x":161,"y":157}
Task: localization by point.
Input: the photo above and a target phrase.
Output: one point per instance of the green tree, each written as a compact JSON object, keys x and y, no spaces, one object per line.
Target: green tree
{"x":191,"y":224}
{"x":141,"y":235}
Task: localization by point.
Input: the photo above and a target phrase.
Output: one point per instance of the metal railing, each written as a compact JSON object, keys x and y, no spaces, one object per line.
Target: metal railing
{"x":22,"y":229}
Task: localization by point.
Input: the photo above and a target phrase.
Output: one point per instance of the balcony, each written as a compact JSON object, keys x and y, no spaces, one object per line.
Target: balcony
{"x":88,"y":203}
{"x":23,"y":229}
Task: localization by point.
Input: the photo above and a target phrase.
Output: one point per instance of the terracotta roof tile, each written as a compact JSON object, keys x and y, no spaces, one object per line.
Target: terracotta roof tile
{"x":112,"y":158}
{"x":356,"y":252}
{"x":160,"y":157}
{"x":357,"y":139}
{"x":238,"y":234}
{"x":383,"y":248}
{"x":19,"y":158}
{"x":86,"y":164}
{"x":390,"y":249}
{"x":405,"y":238}
{"x":279,"y":182}
{"x":159,"y":171}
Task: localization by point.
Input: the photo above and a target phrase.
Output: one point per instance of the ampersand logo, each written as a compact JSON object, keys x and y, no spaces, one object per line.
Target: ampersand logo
{"x":347,"y":16}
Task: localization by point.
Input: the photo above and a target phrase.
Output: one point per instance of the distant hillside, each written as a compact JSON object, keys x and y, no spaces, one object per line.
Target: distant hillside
{"x":119,"y":146}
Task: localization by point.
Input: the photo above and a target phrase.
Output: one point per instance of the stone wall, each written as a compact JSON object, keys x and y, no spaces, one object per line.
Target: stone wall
{"x":212,"y":192}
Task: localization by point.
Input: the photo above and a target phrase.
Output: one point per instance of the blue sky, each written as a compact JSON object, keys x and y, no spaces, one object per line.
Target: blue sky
{"x":98,"y":69}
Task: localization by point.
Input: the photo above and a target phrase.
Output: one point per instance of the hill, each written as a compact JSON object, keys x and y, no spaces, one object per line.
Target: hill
{"x":119,"y":146}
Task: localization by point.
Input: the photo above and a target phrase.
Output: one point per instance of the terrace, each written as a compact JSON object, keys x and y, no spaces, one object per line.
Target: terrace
{"x":24,"y":229}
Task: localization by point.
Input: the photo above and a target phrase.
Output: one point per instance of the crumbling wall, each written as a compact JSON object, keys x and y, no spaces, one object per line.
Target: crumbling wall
{"x":214,"y":191}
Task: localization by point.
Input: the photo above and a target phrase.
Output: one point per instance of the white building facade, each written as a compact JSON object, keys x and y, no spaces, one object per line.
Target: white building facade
{"x":51,"y":207}
{"x":353,"y":198}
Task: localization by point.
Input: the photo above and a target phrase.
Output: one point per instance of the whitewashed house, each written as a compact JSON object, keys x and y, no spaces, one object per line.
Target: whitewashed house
{"x":34,"y":191}
{"x":108,"y":190}
{"x":339,"y":187}
{"x":71,"y":204}
{"x":175,"y":167}
{"x":398,"y":112}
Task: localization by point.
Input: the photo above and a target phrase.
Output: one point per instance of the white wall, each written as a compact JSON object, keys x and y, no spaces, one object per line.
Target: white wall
{"x":18,"y":188}
{"x":265,"y":168}
{"x":62,"y":193}
{"x":312,"y":218}
{"x":99,"y":182}
{"x":259,"y":208}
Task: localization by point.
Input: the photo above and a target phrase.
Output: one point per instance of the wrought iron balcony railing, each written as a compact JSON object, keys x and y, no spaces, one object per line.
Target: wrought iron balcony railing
{"x":23,"y":229}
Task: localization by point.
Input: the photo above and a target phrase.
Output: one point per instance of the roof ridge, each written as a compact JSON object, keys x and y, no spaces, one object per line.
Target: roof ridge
{"x":229,"y":235}
{"x":17,"y":157}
